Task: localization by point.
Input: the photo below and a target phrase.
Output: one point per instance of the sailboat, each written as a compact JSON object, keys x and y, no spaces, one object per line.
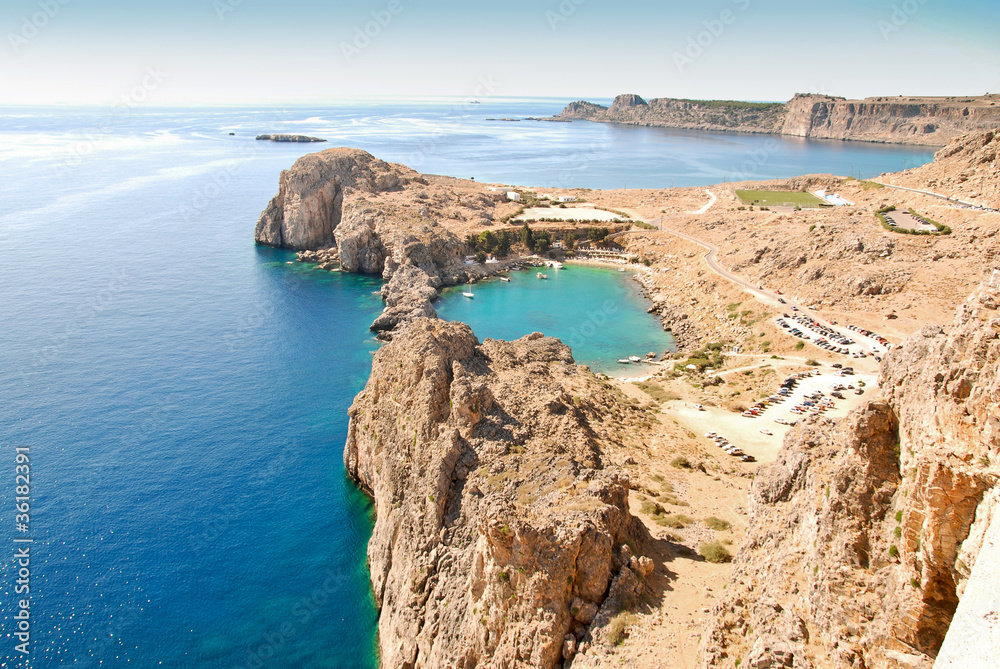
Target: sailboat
{"x":469,"y":292}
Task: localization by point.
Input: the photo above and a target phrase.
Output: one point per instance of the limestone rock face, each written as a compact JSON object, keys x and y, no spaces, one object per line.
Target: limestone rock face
{"x":866,"y":531}
{"x":499,"y":531}
{"x":927,"y":121}
{"x":360,"y":246}
{"x":309,"y":204}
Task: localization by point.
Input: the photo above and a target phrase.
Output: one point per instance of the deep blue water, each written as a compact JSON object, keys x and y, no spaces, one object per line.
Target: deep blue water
{"x":184,"y":393}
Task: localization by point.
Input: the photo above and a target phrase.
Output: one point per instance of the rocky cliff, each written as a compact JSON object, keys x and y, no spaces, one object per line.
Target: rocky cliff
{"x":344,"y":208}
{"x":902,"y":120}
{"x":863,"y":534}
{"x":967,"y":168}
{"x":718,"y":115}
{"x":309,"y":204}
{"x":500,"y":524}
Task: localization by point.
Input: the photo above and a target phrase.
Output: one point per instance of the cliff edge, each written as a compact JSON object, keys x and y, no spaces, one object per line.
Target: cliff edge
{"x":500,"y":526}
{"x":901,"y":120}
{"x":863,"y":534}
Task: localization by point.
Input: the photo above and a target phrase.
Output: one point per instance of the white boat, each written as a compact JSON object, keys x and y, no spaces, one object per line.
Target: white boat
{"x":624,"y":362}
{"x":557,"y":265}
{"x":505,"y":279}
{"x":543,"y":276}
{"x":621,"y":269}
{"x":635,"y":358}
{"x":469,"y":292}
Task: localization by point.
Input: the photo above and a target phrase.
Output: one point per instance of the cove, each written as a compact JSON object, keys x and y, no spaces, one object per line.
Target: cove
{"x":599,"y":312}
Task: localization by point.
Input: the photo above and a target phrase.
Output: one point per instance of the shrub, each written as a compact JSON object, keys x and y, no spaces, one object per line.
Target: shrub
{"x":893,"y":551}
{"x":678,"y":521}
{"x":618,"y":627}
{"x":800,"y":345}
{"x":715,"y":552}
{"x":681,"y":462}
{"x":651,"y":508}
{"x":717,"y":524}
{"x":812,"y":363}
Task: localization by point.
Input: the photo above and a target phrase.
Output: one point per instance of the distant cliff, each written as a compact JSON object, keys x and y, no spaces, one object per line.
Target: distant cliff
{"x":501,"y":528}
{"x":900,"y":120}
{"x":864,"y":532}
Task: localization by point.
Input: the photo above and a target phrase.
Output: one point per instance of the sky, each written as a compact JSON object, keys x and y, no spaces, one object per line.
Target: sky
{"x":310,"y":51}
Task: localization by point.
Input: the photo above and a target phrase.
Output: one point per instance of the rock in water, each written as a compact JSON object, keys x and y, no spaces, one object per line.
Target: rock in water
{"x":290,"y":138}
{"x":500,"y":529}
{"x":309,"y":204}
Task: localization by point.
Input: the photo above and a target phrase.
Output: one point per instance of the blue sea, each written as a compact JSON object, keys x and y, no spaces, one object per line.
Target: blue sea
{"x":182,"y":394}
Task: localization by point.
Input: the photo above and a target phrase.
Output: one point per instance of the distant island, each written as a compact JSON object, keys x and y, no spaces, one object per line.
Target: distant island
{"x":930,"y":121}
{"x":305,"y":139}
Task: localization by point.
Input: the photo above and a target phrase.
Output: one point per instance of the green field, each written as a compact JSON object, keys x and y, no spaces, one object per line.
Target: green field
{"x":779,"y":198}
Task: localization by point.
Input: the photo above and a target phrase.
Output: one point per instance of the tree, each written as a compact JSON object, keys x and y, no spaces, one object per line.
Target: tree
{"x":487,"y":241}
{"x":569,"y":241}
{"x":543,"y":241}
{"x":480,"y":257}
{"x":472,"y":242}
{"x":597,"y":234}
{"x":528,"y":238}
{"x":504,"y":240}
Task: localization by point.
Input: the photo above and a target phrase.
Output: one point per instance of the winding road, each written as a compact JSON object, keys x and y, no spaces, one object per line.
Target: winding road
{"x":953,"y":200}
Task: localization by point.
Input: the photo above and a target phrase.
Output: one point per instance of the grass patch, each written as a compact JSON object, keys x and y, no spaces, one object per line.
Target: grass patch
{"x":657,"y":392}
{"x":618,"y":627}
{"x":717,"y":524}
{"x":780,"y":198}
{"x":715,"y":552}
{"x":677,"y":521}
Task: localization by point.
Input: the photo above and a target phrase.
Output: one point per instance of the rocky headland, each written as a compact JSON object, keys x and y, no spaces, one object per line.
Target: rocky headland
{"x":507,"y":479}
{"x":901,"y":120}
{"x":502,"y":534}
{"x":344,"y":208}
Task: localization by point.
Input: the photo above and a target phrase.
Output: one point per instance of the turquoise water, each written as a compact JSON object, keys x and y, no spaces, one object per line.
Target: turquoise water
{"x":184,"y":393}
{"x":599,"y":312}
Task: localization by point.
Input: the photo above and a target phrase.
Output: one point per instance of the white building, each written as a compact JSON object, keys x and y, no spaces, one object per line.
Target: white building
{"x":513,"y":195}
{"x":567,"y":198}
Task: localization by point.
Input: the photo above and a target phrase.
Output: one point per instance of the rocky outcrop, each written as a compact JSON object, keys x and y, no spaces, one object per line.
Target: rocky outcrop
{"x":862,"y":533}
{"x":927,"y":121}
{"x":968,"y":169}
{"x":309,"y":204}
{"x":499,"y":527}
{"x":290,"y":138}
{"x":719,"y":115}
{"x":902,"y":120}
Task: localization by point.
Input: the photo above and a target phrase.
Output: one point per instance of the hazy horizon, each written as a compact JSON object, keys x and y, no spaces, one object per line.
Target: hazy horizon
{"x":210,"y":52}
